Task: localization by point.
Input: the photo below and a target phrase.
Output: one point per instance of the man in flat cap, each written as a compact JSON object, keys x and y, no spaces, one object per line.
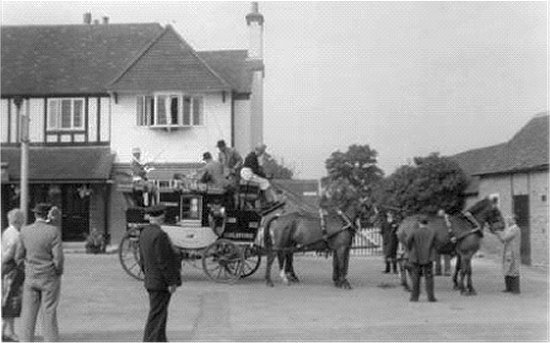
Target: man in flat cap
{"x":161,"y":267}
{"x":42,"y":249}
{"x":421,"y":245}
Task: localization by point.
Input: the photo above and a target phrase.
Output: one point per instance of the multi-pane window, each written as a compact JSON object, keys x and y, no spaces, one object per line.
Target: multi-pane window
{"x":65,"y":114}
{"x":167,"y":109}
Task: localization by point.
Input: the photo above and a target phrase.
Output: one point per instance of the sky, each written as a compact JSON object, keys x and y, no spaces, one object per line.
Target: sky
{"x":406,"y":78}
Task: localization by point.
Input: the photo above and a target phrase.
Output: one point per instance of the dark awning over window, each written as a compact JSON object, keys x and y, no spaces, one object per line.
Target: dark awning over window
{"x":60,"y":165}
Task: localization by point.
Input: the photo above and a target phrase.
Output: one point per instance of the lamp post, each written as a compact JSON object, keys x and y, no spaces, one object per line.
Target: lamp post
{"x":24,"y":140}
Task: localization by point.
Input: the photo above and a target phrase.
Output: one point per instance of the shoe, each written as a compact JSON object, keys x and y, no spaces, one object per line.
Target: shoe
{"x":432,"y":300}
{"x":10,"y":338}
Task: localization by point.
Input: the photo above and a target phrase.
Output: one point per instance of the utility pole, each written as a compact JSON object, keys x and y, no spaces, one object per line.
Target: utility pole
{"x":24,"y":139}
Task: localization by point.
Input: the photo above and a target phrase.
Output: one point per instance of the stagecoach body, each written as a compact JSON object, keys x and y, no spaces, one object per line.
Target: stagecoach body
{"x":226,"y":253}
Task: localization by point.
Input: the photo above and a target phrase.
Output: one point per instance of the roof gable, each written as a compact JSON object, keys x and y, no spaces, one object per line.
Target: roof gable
{"x":68,"y":59}
{"x":169,"y":63}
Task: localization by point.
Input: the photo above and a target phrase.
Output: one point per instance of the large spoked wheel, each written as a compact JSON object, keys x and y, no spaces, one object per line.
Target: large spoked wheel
{"x":222,"y":261}
{"x":251,"y":262}
{"x":128,"y":254}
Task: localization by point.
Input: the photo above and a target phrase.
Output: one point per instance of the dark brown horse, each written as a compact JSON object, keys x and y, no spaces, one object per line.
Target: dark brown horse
{"x":467,"y":229}
{"x":296,"y":232}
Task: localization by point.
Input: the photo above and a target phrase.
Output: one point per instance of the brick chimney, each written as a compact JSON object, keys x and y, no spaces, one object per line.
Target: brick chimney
{"x":255,"y":22}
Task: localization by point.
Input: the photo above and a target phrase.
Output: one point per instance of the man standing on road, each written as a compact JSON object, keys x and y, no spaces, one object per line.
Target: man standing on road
{"x":421,"y":245}
{"x":42,"y":248}
{"x":511,"y":257}
{"x":161,"y":267}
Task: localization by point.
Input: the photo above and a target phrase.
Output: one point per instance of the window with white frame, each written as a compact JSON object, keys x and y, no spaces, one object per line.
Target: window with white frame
{"x":169,"y":109}
{"x":65,"y":114}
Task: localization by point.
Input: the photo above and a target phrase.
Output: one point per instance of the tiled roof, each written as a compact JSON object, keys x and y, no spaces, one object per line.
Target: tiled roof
{"x":472,"y":161}
{"x":68,"y":59}
{"x":527,"y":150}
{"x":169,"y":63}
{"x":84,"y":59}
{"x":79,"y":164}
{"x":232,"y":66}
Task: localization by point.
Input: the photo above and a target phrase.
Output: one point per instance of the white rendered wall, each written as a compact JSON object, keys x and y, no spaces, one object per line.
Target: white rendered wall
{"x":176,"y":146}
{"x":4,"y":121}
{"x":242,"y":127}
{"x":92,"y":119}
{"x":36,"y":115}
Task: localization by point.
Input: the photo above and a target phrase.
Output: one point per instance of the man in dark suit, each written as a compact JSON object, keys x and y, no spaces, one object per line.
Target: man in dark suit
{"x":421,"y":245}
{"x":161,"y":267}
{"x":42,"y":248}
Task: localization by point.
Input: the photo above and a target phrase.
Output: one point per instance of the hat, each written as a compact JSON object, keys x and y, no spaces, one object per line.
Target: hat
{"x":221,"y":144}
{"x":42,"y":208}
{"x":206,"y":156}
{"x":156,"y":211}
{"x":260,"y":147}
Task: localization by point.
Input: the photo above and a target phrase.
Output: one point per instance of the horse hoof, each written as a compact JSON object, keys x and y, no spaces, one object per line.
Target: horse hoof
{"x":456,"y":288}
{"x":337,"y":284}
{"x":346,"y":285}
{"x":269,"y":283}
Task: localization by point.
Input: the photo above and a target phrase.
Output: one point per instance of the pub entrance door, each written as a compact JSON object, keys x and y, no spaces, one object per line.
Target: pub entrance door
{"x":75,"y":214}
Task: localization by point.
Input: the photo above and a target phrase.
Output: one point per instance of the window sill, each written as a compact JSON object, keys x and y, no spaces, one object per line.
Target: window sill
{"x":168,"y":127}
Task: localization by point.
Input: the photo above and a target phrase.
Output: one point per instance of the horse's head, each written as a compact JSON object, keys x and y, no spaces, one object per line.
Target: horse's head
{"x":486,"y":212}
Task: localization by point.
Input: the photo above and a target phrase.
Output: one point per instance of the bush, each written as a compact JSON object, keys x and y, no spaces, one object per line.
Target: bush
{"x":95,"y":242}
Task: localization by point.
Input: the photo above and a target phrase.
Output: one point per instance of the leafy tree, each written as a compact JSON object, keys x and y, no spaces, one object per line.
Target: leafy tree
{"x":352,"y":176}
{"x":432,"y":183}
{"x":276,"y":169}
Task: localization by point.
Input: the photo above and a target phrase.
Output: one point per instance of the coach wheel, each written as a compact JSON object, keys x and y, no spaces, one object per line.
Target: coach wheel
{"x":251,"y":261}
{"x":222,"y":261}
{"x":128,"y":254}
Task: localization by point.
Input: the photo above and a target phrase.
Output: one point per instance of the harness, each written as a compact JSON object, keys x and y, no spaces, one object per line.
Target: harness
{"x":476,"y":227}
{"x":325,"y":235}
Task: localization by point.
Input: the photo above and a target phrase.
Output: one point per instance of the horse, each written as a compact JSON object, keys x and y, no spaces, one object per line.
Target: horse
{"x":466,"y":229}
{"x":295,"y":231}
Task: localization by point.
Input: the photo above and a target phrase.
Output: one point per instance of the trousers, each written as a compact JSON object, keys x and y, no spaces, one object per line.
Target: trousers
{"x":427,"y":271}
{"x":40,"y":292}
{"x":155,"y":328}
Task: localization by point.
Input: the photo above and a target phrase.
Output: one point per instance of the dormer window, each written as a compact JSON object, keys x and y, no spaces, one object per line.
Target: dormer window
{"x":65,"y":114}
{"x":169,"y":110}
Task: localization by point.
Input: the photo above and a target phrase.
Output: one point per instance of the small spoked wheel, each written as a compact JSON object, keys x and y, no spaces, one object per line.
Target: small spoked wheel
{"x":128,"y":254}
{"x":251,"y":262}
{"x":222,"y":261}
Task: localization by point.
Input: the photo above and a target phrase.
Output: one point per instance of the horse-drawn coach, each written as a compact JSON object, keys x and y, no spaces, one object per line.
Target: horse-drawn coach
{"x":208,"y":226}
